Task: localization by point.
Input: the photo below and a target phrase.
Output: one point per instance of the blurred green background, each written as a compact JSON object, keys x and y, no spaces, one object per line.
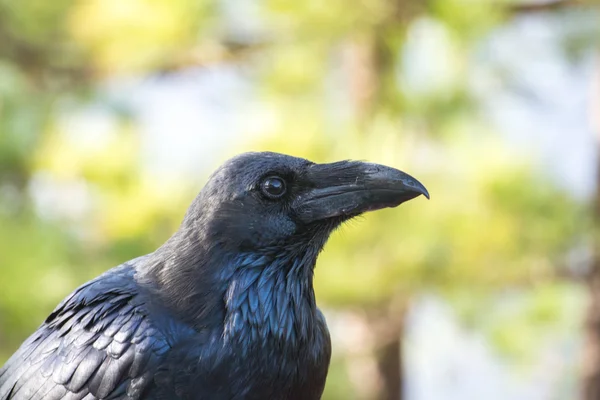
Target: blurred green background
{"x":114,"y":112}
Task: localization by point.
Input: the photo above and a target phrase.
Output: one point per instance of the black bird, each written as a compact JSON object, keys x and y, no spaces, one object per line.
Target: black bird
{"x":225,"y":309}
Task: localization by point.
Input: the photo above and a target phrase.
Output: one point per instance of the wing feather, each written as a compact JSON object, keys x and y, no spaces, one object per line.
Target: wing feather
{"x":97,"y":344}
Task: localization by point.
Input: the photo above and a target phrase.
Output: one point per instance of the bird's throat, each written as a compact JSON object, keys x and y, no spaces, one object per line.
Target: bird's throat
{"x":270,"y":299}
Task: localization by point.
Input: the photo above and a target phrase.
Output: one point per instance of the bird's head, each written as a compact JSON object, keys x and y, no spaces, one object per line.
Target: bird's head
{"x":254,"y":232}
{"x":260,"y":201}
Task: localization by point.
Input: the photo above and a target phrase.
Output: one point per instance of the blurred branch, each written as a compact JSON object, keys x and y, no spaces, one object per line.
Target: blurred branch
{"x":213,"y":54}
{"x":535,"y":7}
{"x":575,"y":274}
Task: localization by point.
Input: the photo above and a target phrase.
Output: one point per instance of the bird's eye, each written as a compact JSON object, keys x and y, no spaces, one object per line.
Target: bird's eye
{"x":273,"y":187}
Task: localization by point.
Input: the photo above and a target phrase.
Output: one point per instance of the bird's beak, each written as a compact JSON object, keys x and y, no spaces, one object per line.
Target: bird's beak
{"x":351,"y":188}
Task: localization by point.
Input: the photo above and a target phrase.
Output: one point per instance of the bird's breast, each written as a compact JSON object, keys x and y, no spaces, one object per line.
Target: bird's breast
{"x":260,"y":369}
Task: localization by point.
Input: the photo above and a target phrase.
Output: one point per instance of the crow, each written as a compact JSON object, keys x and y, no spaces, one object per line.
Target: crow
{"x":225,"y":309}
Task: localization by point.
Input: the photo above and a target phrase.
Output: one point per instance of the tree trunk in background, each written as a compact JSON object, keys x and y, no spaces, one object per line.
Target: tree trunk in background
{"x":361,"y":70}
{"x":591,"y":350}
{"x":389,"y":334}
{"x":390,"y":366}
{"x":591,"y":356}
{"x":367,"y":61}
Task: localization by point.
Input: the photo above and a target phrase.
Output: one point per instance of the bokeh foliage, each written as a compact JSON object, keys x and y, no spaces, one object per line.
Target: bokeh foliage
{"x":335,"y":81}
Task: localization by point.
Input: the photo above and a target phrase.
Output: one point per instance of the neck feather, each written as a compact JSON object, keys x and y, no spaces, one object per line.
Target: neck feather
{"x":271,"y":298}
